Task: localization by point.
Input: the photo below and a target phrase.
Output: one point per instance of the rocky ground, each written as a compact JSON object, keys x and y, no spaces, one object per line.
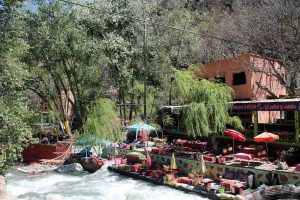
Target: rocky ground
{"x":36,"y":168}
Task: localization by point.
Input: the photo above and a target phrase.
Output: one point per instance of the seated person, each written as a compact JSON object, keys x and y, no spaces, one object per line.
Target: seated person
{"x":45,"y":140}
{"x":282,"y":165}
{"x":216,"y":150}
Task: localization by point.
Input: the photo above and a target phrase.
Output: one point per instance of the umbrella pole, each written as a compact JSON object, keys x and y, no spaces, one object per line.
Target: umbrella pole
{"x":267,"y":151}
{"x":233,"y":146}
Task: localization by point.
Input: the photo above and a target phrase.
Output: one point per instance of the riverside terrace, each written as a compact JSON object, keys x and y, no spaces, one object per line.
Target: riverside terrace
{"x":229,"y":172}
{"x":263,"y":171}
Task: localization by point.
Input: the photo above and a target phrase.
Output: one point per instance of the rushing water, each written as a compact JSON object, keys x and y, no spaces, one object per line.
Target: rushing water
{"x":101,"y":185}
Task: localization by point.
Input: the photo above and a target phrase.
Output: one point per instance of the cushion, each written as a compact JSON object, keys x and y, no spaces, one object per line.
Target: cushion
{"x":185,"y":180}
{"x":229,"y":175}
{"x":241,"y":176}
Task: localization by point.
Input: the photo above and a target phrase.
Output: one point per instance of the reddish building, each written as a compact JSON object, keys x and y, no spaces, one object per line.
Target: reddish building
{"x":252,"y":77}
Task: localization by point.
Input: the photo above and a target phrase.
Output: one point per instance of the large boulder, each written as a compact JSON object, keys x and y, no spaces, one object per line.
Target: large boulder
{"x":74,"y":167}
{"x":2,"y":184}
{"x":4,"y":195}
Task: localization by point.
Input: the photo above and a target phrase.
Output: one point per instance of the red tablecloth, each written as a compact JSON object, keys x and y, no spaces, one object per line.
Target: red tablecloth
{"x":249,"y":150}
{"x":185,"y":180}
{"x":156,"y":151}
{"x":297,"y":169}
{"x":210,"y":158}
{"x":244,"y":156}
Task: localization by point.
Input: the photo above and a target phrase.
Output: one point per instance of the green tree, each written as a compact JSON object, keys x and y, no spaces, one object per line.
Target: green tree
{"x":103,"y":121}
{"x":15,"y":116}
{"x":207,"y":110}
{"x":64,"y":58}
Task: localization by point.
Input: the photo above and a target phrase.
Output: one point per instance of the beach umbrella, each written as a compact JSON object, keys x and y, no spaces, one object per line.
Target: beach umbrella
{"x":266,"y":137}
{"x":148,"y":159}
{"x":140,"y":126}
{"x":235,"y":135}
{"x":173,"y":162}
{"x":202,"y":168}
{"x":100,"y":151}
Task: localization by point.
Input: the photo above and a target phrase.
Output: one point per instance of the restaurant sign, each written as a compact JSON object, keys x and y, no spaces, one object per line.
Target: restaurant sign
{"x":266,"y":106}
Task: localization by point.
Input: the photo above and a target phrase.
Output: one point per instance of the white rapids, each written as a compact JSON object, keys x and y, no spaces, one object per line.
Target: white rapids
{"x":103,"y":184}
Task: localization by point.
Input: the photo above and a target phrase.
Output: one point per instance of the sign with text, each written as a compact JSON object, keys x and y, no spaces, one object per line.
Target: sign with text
{"x":266,"y":106}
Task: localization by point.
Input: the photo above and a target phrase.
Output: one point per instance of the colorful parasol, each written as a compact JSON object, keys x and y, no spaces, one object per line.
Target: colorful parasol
{"x":100,"y":151}
{"x":173,"y":162}
{"x":235,"y":135}
{"x":266,"y":137}
{"x":202,"y":168}
{"x":148,"y":159}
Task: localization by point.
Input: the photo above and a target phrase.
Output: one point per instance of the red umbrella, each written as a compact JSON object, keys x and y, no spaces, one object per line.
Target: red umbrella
{"x":266,"y":137}
{"x":235,"y":135}
{"x":148,"y":159}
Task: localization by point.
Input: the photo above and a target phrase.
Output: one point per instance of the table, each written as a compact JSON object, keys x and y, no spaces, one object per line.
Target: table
{"x":243,"y":156}
{"x":297,"y":169}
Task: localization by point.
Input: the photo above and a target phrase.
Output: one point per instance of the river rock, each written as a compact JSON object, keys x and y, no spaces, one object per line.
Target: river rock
{"x":2,"y":183}
{"x":4,"y":195}
{"x":74,"y":167}
{"x":36,"y":168}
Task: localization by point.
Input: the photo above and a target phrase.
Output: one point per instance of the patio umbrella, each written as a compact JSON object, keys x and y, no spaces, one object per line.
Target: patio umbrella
{"x":173,"y":162}
{"x":266,"y":137}
{"x":202,"y":168}
{"x":235,"y":135}
{"x":140,"y":126}
{"x":148,"y":159}
{"x":100,"y":151}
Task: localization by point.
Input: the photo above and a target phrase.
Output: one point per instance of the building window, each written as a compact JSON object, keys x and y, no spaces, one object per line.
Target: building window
{"x":239,"y":78}
{"x":220,"y":79}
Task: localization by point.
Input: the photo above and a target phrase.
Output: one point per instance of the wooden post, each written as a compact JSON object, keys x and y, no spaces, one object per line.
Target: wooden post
{"x":255,"y":123}
{"x":297,"y":126}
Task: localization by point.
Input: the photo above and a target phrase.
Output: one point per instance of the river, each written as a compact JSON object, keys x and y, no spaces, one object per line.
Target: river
{"x":103,"y":184}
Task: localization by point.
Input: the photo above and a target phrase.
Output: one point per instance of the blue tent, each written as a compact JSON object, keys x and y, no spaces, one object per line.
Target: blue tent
{"x":140,"y":126}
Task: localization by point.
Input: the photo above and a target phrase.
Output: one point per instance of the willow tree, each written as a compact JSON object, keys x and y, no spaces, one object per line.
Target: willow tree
{"x":207,"y":110}
{"x":103,"y":121}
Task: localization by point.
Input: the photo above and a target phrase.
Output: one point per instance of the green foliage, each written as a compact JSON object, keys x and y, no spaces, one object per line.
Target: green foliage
{"x":183,"y":85}
{"x":208,"y":104}
{"x":235,"y":121}
{"x":196,"y":119}
{"x":167,"y":120}
{"x":15,"y":116}
{"x":103,"y":122}
{"x":63,"y":58}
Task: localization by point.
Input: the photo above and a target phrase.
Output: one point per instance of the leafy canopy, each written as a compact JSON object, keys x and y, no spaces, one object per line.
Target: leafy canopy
{"x":208,"y":104}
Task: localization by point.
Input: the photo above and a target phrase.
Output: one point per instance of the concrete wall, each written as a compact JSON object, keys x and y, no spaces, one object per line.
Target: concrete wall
{"x":257,"y":69}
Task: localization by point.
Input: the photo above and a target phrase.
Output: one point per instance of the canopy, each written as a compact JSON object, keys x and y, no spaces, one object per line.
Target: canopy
{"x":140,"y":126}
{"x":266,"y":137}
{"x":235,"y":135}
